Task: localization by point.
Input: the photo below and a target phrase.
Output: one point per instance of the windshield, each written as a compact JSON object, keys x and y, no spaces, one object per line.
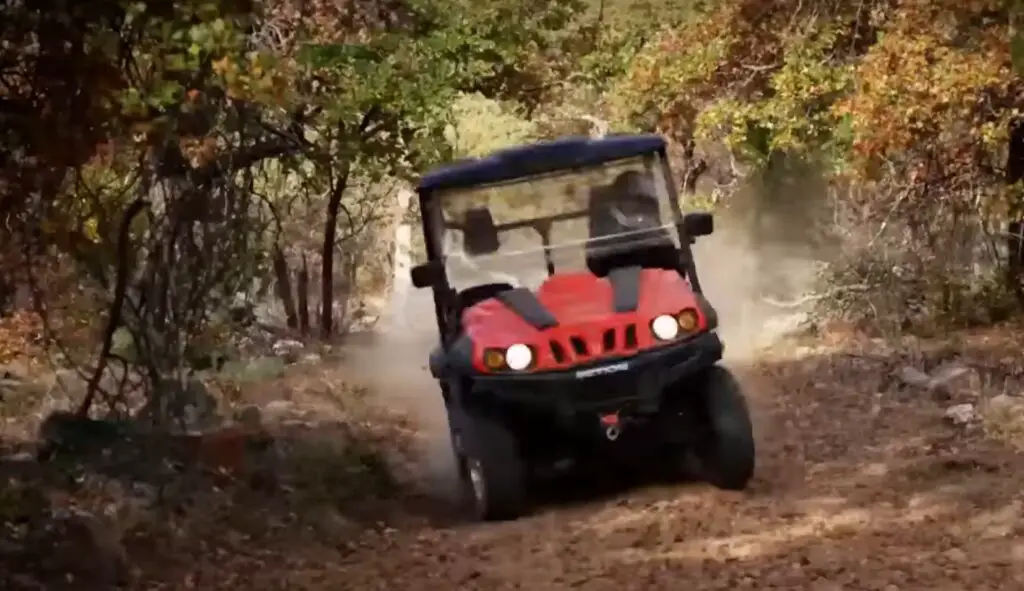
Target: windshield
{"x":596,"y":216}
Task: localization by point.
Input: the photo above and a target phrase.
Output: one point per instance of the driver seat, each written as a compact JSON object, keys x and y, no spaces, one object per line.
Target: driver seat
{"x":479,"y":237}
{"x":479,"y":232}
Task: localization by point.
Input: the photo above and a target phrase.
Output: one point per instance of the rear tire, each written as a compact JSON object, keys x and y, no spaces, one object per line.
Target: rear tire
{"x":492,"y":470}
{"x":725,"y":452}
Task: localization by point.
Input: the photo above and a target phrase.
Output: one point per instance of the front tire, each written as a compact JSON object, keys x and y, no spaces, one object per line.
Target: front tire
{"x":725,"y":452}
{"x":493,"y":471}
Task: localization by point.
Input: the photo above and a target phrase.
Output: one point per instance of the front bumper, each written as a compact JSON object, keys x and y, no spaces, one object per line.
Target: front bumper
{"x":635,"y":382}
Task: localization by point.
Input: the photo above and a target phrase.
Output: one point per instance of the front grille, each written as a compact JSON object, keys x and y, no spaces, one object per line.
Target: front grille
{"x":614,"y":341}
{"x":558,"y":351}
{"x":608,"y":340}
{"x":630,"y":337}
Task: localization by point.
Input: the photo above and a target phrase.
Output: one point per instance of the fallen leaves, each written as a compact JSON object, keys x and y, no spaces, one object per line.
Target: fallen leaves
{"x":21,"y":337}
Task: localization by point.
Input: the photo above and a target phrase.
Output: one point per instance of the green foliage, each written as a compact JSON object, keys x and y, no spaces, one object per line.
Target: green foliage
{"x":216,"y":137}
{"x":481,"y":125}
{"x":918,"y":94}
{"x":794,"y":116}
{"x":643,"y":14}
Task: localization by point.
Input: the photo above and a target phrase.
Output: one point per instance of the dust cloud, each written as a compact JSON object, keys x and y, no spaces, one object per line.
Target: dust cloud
{"x":740,"y":276}
{"x":393,"y":363}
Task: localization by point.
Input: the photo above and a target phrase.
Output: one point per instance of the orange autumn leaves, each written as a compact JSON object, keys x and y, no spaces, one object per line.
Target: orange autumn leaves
{"x":922,"y":85}
{"x":905,"y":78}
{"x":21,"y":336}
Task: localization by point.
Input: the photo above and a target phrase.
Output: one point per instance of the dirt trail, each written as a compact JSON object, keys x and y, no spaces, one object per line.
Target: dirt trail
{"x":859,"y":485}
{"x":856,"y":490}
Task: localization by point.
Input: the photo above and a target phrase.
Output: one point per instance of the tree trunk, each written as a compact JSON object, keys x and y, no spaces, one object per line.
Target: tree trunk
{"x":693,"y":169}
{"x":1015,"y":227}
{"x":284,"y":287}
{"x":303,"y":294}
{"x":401,"y":260}
{"x":7,"y":293}
{"x":116,"y":309}
{"x":327,"y":253}
{"x":350,"y":267}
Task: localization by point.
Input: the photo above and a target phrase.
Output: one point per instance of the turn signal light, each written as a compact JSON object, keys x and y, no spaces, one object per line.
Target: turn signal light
{"x":494,"y":359}
{"x":688,"y":320}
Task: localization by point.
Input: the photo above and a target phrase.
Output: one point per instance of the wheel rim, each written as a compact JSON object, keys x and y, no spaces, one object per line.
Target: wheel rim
{"x":477,"y":484}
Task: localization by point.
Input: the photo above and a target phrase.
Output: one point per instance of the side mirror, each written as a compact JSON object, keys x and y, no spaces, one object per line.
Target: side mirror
{"x":698,"y":223}
{"x":425,"y":275}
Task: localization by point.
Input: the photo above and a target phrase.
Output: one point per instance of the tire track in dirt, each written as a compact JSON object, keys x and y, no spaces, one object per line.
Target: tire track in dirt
{"x":858,"y":487}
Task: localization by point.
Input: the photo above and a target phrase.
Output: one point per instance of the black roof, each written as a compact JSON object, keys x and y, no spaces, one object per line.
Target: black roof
{"x":539,"y":158}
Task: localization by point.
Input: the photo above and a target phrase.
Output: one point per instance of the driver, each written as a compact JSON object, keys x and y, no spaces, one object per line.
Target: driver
{"x":633,"y":201}
{"x":619,"y":216}
{"x":628,"y":205}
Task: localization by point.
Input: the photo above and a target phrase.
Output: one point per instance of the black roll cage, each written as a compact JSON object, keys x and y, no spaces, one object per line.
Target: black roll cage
{"x":431,"y":217}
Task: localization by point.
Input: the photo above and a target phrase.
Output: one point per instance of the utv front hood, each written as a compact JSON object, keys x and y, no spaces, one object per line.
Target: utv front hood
{"x":579,"y":318}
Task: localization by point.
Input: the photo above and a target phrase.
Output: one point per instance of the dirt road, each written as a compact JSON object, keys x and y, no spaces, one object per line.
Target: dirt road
{"x":861,"y":485}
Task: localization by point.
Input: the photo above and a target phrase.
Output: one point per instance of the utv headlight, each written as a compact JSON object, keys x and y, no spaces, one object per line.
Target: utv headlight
{"x":518,"y":357}
{"x":665,"y":327}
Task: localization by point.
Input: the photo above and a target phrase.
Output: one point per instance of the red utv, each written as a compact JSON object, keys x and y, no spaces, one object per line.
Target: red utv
{"x":571,"y":318}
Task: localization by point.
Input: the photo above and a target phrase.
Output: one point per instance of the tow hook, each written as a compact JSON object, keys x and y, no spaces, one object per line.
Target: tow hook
{"x":612,"y":429}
